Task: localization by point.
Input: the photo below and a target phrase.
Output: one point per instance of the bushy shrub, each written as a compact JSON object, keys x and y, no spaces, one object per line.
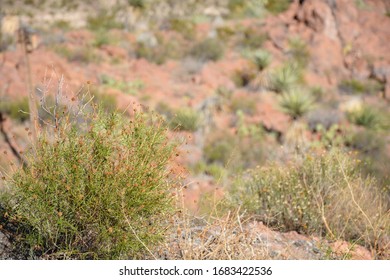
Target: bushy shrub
{"x":95,"y":189}
{"x":277,"y":6}
{"x":323,"y":194}
{"x":299,"y":52}
{"x":252,"y":38}
{"x":354,"y":86}
{"x":235,"y":152}
{"x":16,"y":109}
{"x":185,"y":119}
{"x":208,"y":49}
{"x":261,"y":59}
{"x":368,"y":117}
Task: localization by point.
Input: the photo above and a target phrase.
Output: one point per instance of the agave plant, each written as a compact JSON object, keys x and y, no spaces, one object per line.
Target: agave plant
{"x":296,"y":102}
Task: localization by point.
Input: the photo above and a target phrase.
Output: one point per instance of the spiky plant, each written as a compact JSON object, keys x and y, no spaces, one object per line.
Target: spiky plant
{"x":296,"y":102}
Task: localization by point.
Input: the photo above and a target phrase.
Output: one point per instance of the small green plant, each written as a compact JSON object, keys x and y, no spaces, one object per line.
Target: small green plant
{"x":132,"y":87}
{"x":299,"y":52}
{"x":367,"y":117}
{"x":284,"y":78}
{"x":244,"y":76}
{"x":83,"y":55}
{"x":185,"y":119}
{"x":161,"y":52}
{"x":243,"y":104}
{"x":252,"y":38}
{"x":354,"y":86}
{"x":17,"y":109}
{"x":208,"y":49}
{"x":245,"y":8}
{"x":235,"y":152}
{"x":277,"y":6}
{"x":139,"y":4}
{"x":98,"y":190}
{"x":184,"y":27}
{"x":103,"y":38}
{"x":104,"y":20}
{"x":260,"y":58}
{"x":296,"y":102}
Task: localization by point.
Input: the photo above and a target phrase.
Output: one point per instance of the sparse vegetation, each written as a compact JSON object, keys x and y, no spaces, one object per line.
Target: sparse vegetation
{"x":260,"y":58}
{"x":16,"y":109}
{"x":367,"y":117}
{"x":322,"y":194}
{"x":354,"y":86}
{"x":208,"y":49}
{"x":185,"y":119}
{"x":277,"y":6}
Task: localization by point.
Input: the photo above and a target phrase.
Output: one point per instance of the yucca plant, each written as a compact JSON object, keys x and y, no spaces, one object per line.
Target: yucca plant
{"x":367,"y":117}
{"x":284,"y":78}
{"x":296,"y":102}
{"x":261,"y":58}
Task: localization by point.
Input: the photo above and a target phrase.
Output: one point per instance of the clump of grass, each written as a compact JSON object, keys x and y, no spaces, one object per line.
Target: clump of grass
{"x":234,"y":152}
{"x":159,"y":53}
{"x":185,"y":119}
{"x":132,"y":87}
{"x":260,"y":58}
{"x":82,"y":55}
{"x":104,"y":20}
{"x":367,"y":117}
{"x":216,"y":237}
{"x":207,"y":50}
{"x":245,"y":8}
{"x":17,"y":109}
{"x":322,"y":194}
{"x":244,"y":104}
{"x":296,"y":102}
{"x":277,"y":6}
{"x":244,"y":76}
{"x":139,"y":4}
{"x":184,"y":27}
{"x":299,"y":52}
{"x":354,"y":86}
{"x":252,"y":38}
{"x":98,"y":190}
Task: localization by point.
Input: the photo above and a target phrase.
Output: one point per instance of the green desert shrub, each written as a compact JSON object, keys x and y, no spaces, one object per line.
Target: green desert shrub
{"x":235,"y":152}
{"x":261,"y":59}
{"x":299,"y":52}
{"x":296,"y":102}
{"x":277,"y":6}
{"x":208,"y":49}
{"x":252,"y":38}
{"x":164,"y":49}
{"x":96,"y":189}
{"x":354,"y":86}
{"x":17,"y":109}
{"x":322,"y":194}
{"x":104,"y":20}
{"x":185,"y":119}
{"x":368,"y":117}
